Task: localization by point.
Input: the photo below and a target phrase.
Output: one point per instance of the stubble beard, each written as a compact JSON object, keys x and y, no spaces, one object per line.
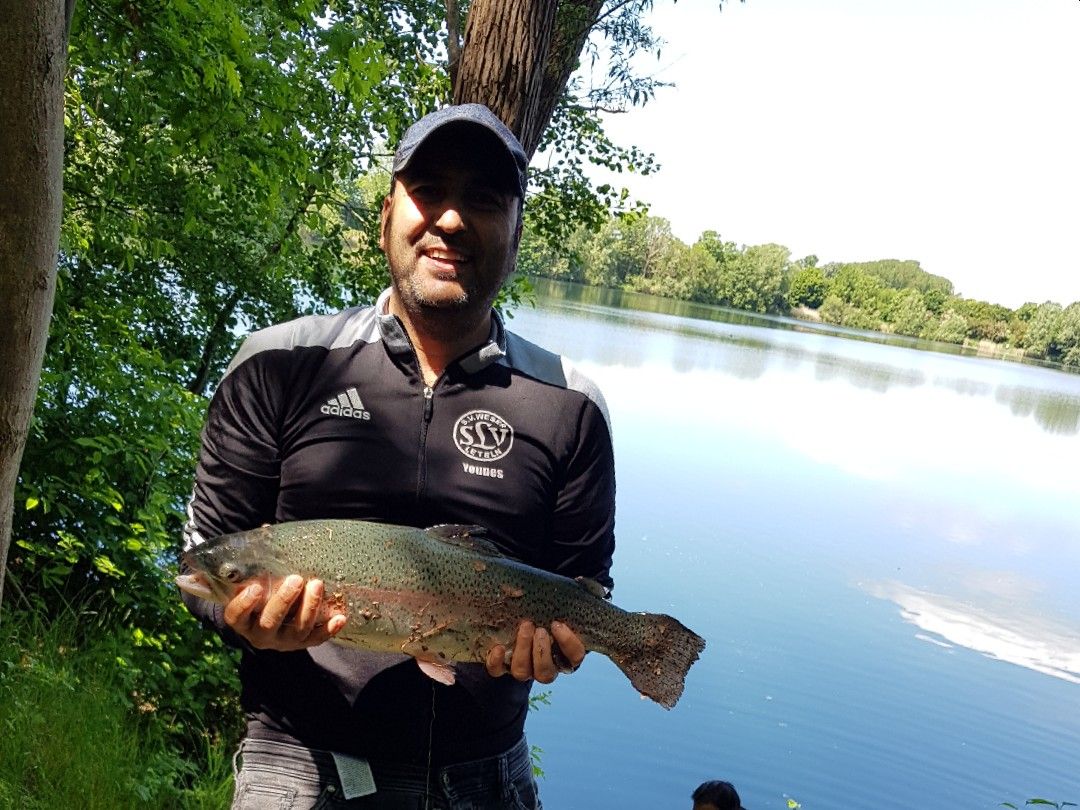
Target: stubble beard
{"x":449,"y":311}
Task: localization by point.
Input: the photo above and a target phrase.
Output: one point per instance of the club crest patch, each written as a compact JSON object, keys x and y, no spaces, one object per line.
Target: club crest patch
{"x":483,"y":435}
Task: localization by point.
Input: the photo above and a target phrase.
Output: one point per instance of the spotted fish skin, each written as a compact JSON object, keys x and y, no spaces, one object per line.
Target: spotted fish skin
{"x":442,"y":595}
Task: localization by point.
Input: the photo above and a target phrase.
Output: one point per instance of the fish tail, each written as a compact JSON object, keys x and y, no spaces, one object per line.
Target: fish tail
{"x":657,"y":666}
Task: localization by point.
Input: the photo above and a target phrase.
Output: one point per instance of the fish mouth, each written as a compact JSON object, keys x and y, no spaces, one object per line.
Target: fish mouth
{"x":196,"y":585}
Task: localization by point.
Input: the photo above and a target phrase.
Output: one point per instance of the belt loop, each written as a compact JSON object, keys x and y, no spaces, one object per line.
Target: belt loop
{"x":236,"y":763}
{"x":504,"y":767}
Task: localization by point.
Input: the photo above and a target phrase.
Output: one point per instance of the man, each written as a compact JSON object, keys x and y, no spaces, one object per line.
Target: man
{"x":716,"y":795}
{"x":420,"y":410}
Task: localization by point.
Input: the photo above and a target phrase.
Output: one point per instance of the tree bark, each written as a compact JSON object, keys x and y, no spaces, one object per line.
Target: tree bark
{"x":503,"y":61}
{"x":453,"y":40}
{"x":33,"y":59}
{"x":575,"y":20}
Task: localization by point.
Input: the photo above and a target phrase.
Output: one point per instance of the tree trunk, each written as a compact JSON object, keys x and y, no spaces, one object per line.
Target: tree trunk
{"x":517,"y":58}
{"x":503,"y":61}
{"x":33,"y":59}
{"x":575,"y":20}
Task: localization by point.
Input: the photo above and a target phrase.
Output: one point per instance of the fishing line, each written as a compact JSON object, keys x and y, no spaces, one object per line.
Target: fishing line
{"x":431,"y":743}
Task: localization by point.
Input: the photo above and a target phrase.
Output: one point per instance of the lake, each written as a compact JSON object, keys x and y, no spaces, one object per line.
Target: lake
{"x":879,"y":543}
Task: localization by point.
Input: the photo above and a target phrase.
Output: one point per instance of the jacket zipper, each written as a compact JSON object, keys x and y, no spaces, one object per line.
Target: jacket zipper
{"x":421,"y":461}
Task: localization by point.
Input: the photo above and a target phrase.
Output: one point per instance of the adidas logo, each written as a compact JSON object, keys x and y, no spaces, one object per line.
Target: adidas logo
{"x":347,"y":404}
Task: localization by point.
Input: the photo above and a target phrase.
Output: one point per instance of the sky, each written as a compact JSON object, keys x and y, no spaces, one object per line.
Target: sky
{"x":944,"y":131}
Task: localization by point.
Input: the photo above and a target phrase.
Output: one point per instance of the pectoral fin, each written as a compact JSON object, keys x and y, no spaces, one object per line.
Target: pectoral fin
{"x":443,"y":673}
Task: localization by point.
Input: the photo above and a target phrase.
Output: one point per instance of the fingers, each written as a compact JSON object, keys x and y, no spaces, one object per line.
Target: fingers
{"x":242,"y":609}
{"x":544,"y":670}
{"x":289,"y":619}
{"x":521,"y":664}
{"x":281,"y":602}
{"x":496,"y":661}
{"x":308,"y":614}
{"x":569,"y":646}
{"x":538,"y":654}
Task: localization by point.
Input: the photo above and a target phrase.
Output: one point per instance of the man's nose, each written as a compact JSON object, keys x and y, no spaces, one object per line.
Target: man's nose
{"x":450,"y":219}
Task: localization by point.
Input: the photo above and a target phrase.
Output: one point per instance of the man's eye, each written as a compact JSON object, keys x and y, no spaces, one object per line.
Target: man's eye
{"x":425,"y":192}
{"x":489,"y":201}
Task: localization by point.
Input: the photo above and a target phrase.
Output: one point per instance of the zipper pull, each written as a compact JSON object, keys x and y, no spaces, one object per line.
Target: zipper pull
{"x":429,"y":394}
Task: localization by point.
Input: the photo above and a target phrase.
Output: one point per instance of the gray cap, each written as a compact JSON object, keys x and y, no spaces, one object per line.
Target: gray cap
{"x":476,"y":114}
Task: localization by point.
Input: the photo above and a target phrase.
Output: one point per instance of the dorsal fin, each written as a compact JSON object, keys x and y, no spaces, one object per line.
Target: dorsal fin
{"x":592,"y":586}
{"x":474,"y":538}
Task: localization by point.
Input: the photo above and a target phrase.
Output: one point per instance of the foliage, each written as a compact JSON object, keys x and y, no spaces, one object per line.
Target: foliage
{"x":70,"y":739}
{"x":207,"y":139}
{"x":808,"y":288}
{"x":1053,"y":333}
{"x":910,"y":315}
{"x":637,"y":252}
{"x":100,"y":505}
{"x":899,"y":275}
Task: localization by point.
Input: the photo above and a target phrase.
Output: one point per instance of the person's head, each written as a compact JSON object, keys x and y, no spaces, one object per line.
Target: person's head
{"x":452,"y":220}
{"x":716,"y":795}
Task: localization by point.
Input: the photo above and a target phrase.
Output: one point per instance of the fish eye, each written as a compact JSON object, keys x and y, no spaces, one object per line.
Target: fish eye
{"x":231,"y":572}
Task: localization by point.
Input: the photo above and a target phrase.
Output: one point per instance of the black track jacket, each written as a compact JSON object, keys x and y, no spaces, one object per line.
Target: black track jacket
{"x":328,"y":416}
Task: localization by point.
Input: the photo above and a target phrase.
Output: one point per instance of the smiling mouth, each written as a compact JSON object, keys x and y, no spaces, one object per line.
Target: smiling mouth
{"x":444,"y":259}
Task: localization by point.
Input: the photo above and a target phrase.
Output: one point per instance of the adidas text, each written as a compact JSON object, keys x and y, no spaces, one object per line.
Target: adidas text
{"x":337,"y":410}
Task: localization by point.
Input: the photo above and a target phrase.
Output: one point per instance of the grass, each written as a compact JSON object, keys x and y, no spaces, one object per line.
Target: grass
{"x":70,"y":737}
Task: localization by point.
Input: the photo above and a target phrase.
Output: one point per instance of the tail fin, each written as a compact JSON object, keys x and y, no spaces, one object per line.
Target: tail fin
{"x":658,"y":667}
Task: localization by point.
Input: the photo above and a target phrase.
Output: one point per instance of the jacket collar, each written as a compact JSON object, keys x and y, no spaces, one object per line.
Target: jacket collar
{"x":397,"y":340}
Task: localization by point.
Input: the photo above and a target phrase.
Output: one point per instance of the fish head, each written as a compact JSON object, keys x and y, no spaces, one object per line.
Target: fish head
{"x":221,"y":568}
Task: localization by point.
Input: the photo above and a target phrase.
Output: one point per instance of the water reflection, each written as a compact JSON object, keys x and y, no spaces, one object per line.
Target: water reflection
{"x":693,"y":338}
{"x":1029,"y":641}
{"x":872,"y":376}
{"x":573,"y":293}
{"x":1055,"y":412}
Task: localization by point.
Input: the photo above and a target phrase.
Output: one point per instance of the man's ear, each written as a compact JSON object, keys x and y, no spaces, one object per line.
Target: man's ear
{"x":384,"y":219}
{"x":517,"y":232}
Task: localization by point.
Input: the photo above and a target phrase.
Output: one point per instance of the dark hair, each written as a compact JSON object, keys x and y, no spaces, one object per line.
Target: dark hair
{"x":721,"y":794}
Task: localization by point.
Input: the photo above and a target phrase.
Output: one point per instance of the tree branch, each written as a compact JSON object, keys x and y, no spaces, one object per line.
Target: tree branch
{"x":453,"y":39}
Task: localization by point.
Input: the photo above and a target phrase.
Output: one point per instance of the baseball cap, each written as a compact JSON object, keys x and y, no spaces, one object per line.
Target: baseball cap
{"x":476,"y":114}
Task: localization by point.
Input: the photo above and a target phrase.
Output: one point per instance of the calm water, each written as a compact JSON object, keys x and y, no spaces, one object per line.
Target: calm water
{"x":880,"y":545}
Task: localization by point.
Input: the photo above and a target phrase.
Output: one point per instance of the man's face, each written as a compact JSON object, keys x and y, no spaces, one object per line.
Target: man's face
{"x":450,"y":227}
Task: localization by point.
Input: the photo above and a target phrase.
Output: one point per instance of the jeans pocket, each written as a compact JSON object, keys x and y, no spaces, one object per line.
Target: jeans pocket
{"x":524,"y":793}
{"x":330,"y":798}
{"x":256,"y":796}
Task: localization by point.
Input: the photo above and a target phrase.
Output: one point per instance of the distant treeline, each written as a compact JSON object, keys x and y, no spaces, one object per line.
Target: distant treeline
{"x":639,"y":253}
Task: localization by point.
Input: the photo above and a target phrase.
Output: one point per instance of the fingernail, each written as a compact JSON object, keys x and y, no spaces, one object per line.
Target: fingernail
{"x":254,"y":591}
{"x":558,"y":626}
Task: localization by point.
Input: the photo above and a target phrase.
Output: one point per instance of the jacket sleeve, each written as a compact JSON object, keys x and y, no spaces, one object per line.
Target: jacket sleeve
{"x":237,"y":477}
{"x":584,"y":518}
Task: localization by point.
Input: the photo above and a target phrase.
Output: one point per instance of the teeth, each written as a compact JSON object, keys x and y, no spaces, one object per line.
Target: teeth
{"x":445,"y":255}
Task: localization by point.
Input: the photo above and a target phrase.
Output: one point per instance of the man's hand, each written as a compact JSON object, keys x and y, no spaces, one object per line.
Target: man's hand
{"x":288,"y":620}
{"x":535,"y":657}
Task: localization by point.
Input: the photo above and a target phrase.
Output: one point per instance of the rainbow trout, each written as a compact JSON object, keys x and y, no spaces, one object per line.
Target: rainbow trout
{"x":442,"y":595}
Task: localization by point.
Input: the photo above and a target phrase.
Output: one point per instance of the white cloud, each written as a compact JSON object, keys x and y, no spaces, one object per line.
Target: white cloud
{"x":1025,"y":640}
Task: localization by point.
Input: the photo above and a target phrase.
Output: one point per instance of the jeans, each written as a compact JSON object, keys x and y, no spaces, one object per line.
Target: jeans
{"x":287,"y":777}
